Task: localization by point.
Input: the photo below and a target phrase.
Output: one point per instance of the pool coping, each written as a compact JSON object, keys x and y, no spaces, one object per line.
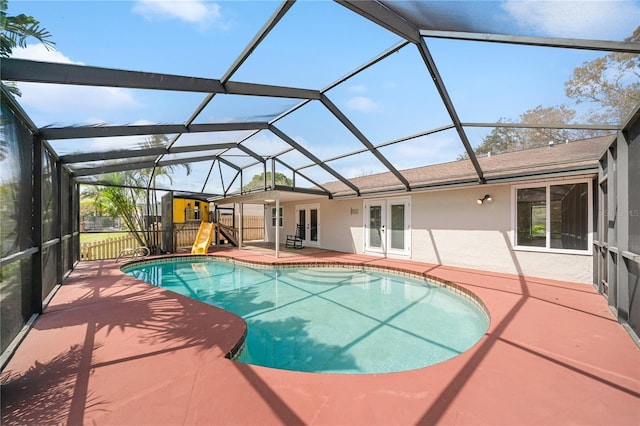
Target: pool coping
{"x":236,"y":351}
{"x":432,"y":279}
{"x":554,"y":354}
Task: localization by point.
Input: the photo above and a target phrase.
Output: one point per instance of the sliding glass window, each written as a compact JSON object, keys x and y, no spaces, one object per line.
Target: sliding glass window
{"x":554,"y":217}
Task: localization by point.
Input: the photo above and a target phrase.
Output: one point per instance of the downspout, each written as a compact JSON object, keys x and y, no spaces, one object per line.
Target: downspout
{"x":240,"y":225}
{"x":277,"y":242}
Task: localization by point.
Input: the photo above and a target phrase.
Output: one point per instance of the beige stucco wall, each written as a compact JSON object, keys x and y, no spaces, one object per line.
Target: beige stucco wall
{"x":339,"y":229}
{"x":342,"y":226}
{"x":449,"y":228}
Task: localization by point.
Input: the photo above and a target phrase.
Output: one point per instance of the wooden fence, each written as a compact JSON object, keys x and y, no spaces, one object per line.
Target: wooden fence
{"x":183,"y":236}
{"x":252,"y":226}
{"x":107,"y":249}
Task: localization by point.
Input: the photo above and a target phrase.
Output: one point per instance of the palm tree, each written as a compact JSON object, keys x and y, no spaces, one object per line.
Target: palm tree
{"x":14,"y":32}
{"x":152,"y":200}
{"x":132,"y":189}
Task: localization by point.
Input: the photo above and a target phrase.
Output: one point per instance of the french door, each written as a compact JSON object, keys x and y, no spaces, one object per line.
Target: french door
{"x":308,"y":215}
{"x":388,"y":226}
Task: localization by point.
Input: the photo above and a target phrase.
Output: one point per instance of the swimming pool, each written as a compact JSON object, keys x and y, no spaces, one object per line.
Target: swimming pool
{"x":328,"y":319}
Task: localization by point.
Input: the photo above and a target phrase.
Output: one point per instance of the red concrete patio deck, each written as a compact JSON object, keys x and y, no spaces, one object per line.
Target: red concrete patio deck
{"x":110,"y":350}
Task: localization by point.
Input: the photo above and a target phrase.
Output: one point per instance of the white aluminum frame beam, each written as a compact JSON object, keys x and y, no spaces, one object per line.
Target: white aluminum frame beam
{"x":312,"y":157}
{"x":448,"y":103}
{"x":88,"y":171}
{"x":386,"y":18}
{"x":86,"y":132}
{"x":565,"y":43}
{"x":546,"y":126}
{"x":83,"y":75}
{"x":323,"y":189}
{"x":363,"y":139}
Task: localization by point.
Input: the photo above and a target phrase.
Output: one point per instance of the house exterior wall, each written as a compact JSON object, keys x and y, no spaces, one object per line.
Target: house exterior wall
{"x":288,"y":224}
{"x":342,"y":226}
{"x":450,"y":228}
{"x":339,"y":229}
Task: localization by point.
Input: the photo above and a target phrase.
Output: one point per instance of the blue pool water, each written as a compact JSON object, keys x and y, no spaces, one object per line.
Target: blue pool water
{"x":328,"y":319}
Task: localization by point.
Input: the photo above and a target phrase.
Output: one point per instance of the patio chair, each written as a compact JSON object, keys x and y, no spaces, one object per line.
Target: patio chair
{"x":295,"y":241}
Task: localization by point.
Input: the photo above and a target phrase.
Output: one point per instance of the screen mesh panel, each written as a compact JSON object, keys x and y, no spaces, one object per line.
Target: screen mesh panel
{"x":15,"y":177}
{"x":634,"y":295}
{"x":15,"y":292}
{"x":49,"y":269}
{"x":15,"y":232}
{"x":634,"y":194}
{"x":49,"y":197}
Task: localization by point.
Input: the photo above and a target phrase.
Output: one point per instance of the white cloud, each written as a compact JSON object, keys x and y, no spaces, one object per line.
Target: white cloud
{"x":588,"y":19}
{"x":424,"y":151}
{"x":359,"y":171}
{"x":390,"y":85}
{"x":358,"y":88}
{"x":75,"y":101}
{"x":113,"y":143}
{"x":200,"y":12}
{"x":265,"y":143}
{"x":72,"y":146}
{"x":363,"y":104}
{"x":68,"y":100}
{"x":39,"y":52}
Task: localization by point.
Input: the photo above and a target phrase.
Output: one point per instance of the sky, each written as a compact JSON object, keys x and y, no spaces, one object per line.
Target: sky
{"x":316,"y":44}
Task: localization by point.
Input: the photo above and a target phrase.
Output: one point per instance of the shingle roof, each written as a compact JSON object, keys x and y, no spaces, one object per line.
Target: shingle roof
{"x":559,"y":158}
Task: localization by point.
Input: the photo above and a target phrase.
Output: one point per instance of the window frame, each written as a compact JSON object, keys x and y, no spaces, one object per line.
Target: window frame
{"x":273,"y":217}
{"x":386,"y":205}
{"x":547,"y":186}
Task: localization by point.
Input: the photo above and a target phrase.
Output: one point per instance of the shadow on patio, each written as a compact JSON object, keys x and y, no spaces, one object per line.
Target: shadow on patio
{"x":112,"y":350}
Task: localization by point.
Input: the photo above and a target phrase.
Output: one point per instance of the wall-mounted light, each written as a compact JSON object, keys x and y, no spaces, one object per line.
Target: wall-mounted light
{"x":486,"y":199}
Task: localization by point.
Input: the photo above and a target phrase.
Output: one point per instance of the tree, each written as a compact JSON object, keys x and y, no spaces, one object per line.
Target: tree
{"x":501,"y":139}
{"x":124,"y":202}
{"x":505,"y":139}
{"x":130,"y":194}
{"x":258,"y":181}
{"x":611,"y":82}
{"x":15,"y":31}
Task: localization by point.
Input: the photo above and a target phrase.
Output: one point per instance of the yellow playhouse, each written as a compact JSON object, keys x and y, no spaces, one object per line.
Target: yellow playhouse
{"x":190,"y":210}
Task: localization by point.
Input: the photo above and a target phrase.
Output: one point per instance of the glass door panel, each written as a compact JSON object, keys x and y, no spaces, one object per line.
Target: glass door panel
{"x":392,"y":216}
{"x":313,"y":225}
{"x":374,"y":228}
{"x":302,"y":220}
{"x":308,"y":215}
{"x":397,"y":227}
